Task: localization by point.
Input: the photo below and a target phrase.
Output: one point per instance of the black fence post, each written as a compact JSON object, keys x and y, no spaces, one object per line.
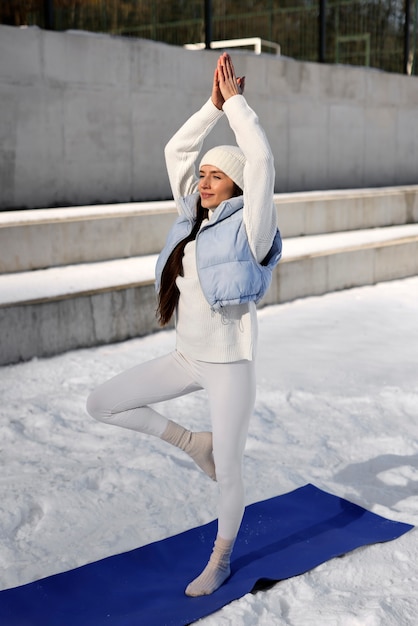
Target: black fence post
{"x":49,"y":14}
{"x":208,"y":23}
{"x":322,"y":30}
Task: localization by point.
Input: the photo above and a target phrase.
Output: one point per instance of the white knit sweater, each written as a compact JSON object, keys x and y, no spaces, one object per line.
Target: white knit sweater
{"x":230,"y":335}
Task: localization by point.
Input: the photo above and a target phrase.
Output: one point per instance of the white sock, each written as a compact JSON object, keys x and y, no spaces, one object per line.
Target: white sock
{"x":216,"y":571}
{"x":197,"y":445}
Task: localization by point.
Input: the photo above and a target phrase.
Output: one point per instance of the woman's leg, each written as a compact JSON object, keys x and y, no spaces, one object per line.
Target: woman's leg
{"x":123,"y":401}
{"x":231,"y":398}
{"x":231,"y":389}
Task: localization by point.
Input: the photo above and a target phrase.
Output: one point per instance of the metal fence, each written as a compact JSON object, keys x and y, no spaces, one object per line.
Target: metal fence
{"x":375,"y":33}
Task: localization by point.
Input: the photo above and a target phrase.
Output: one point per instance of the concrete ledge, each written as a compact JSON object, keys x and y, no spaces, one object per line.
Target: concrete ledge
{"x":62,"y":283}
{"x":315,"y":212}
{"x":88,"y":305}
{"x":58,"y":325}
{"x":333,"y":270}
{"x":41,"y":238}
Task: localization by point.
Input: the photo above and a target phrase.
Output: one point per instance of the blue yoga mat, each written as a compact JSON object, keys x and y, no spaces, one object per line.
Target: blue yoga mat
{"x":280,"y":537}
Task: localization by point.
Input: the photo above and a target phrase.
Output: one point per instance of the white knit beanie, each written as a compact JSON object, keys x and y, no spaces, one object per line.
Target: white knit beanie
{"x":229,"y":159}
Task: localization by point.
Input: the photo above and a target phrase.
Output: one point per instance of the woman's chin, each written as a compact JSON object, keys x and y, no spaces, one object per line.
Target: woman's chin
{"x":207,"y":204}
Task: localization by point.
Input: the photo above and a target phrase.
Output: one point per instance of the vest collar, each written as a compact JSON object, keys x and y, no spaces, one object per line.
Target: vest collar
{"x":224,"y":210}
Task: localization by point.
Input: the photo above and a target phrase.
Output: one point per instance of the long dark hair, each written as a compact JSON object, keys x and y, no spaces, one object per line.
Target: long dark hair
{"x":168,"y":296}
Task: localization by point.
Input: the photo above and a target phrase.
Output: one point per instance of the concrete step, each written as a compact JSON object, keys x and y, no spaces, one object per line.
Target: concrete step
{"x":43,"y":238}
{"x":46,"y":312}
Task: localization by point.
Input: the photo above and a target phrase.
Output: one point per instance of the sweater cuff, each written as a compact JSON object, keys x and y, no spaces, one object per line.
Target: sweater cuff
{"x":234,"y":103}
{"x":210,"y":111}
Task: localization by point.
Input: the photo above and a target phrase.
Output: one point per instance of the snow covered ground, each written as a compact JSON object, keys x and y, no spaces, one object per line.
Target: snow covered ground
{"x":337,"y":406}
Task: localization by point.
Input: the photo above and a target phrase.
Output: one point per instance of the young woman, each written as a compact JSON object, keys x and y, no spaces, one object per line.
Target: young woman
{"x":215,"y":267}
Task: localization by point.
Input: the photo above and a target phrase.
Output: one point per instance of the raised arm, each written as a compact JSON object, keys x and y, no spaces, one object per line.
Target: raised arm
{"x":260,"y":217}
{"x":182,"y":150}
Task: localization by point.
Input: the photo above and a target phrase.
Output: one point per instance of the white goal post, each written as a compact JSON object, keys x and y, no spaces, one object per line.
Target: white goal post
{"x":257,"y":42}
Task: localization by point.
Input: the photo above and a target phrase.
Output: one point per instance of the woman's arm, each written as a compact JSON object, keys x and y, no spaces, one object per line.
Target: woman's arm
{"x":260,"y":217}
{"x":182,"y":151}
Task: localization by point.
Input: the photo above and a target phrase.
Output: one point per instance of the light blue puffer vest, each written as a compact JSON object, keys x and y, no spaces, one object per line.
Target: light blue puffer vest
{"x":227,"y":269}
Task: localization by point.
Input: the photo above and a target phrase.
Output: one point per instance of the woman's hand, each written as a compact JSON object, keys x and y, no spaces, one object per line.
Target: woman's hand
{"x":229,"y":84}
{"x":225,"y":83}
{"x":217,"y":97}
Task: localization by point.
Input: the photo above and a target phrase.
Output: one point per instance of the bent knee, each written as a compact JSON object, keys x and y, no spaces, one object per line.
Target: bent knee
{"x":95,"y":407}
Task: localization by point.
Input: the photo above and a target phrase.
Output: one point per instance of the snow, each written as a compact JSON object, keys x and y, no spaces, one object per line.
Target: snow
{"x":337,"y":406}
{"x":55,"y":282}
{"x":71,"y":214}
{"x":321,"y":244}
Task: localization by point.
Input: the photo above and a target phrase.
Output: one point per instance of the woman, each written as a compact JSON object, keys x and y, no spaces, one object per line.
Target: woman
{"x":216,"y":265}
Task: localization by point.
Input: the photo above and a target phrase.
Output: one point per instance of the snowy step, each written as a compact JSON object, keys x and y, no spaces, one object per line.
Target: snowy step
{"x":333,"y":211}
{"x":325,"y":263}
{"x":42,"y":238}
{"x":70,"y":281}
{"x":46,"y":312}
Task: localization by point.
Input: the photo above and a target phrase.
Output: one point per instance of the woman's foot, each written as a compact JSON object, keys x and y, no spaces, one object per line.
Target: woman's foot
{"x":216,"y":571}
{"x":197,"y":445}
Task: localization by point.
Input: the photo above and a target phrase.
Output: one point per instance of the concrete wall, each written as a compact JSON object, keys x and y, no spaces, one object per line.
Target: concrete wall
{"x":84,"y":118}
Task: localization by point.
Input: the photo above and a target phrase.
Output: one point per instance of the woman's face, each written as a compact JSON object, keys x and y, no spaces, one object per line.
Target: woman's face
{"x":214,"y":187}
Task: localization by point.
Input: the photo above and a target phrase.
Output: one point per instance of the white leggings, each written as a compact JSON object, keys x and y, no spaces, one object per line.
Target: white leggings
{"x":230,"y":387}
